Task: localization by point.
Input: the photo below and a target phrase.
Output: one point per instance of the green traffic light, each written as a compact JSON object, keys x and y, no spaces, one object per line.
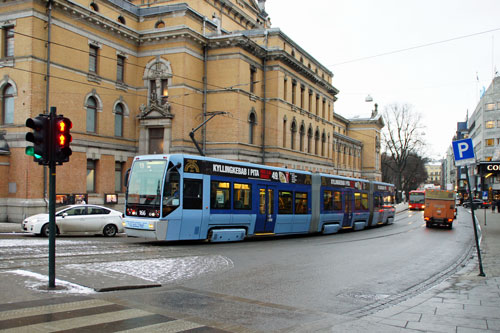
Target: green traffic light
{"x":30,"y":151}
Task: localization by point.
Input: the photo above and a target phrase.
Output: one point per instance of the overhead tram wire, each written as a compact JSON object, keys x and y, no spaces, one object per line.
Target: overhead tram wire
{"x":415,"y":47}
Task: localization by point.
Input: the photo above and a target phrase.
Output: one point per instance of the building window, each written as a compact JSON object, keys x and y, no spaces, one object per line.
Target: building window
{"x":121,"y":19}
{"x":310,"y":101}
{"x":302,"y":134}
{"x":284,"y":133}
{"x":94,"y":7}
{"x":251,"y":127}
{"x":294,"y":92}
{"x":302,"y":92}
{"x":118,"y":176}
{"x":93,"y":50}
{"x":285,"y":89}
{"x":317,"y":104}
{"x":316,"y":142}
{"x":120,"y":67}
{"x":8,"y":43}
{"x":118,"y":120}
{"x":91,"y":176}
{"x":489,"y":106}
{"x":160,"y":25}
{"x":489,"y":142}
{"x":323,"y":109}
{"x":488,"y":158}
{"x":309,"y":140}
{"x":253,"y":71}
{"x":155,"y":141}
{"x":293,"y":134}
{"x":490,"y":124}
{"x":8,"y":104}
{"x":91,"y":115}
{"x":323,"y":141}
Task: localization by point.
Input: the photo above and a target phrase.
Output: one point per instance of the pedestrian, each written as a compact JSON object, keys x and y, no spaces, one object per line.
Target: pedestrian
{"x":493,"y":204}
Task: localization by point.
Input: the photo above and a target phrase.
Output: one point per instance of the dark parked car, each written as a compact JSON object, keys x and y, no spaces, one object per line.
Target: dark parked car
{"x":478,"y":203}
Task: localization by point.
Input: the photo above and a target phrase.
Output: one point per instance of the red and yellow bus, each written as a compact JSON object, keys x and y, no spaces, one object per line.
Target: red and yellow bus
{"x":416,"y":200}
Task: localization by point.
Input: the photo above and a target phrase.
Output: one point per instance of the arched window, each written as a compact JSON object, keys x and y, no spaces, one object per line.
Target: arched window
{"x":323,"y":142}
{"x":251,"y":127}
{"x":159,"y":25}
{"x":302,"y":134}
{"x":284,"y":133}
{"x":91,"y":107}
{"x":316,"y":142}
{"x":118,"y":120}
{"x":293,"y":134}
{"x":94,"y":7}
{"x":8,"y":104}
{"x":309,"y":140}
{"x":121,"y":19}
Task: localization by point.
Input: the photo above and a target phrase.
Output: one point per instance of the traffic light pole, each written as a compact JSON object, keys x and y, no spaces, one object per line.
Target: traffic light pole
{"x":52,"y":202}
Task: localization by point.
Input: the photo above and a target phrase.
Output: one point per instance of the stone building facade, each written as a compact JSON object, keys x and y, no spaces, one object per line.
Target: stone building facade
{"x":136,"y":77}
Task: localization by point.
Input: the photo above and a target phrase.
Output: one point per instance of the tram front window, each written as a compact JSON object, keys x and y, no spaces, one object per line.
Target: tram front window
{"x":144,"y":188}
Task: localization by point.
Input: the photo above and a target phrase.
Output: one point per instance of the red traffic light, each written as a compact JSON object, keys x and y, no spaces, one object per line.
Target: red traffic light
{"x":62,"y":139}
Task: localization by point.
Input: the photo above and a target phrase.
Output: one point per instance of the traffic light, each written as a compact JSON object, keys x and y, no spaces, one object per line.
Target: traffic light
{"x":39,"y":137}
{"x":62,"y":139}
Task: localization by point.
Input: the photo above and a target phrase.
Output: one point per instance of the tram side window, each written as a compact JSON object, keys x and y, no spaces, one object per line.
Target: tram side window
{"x":285,"y":202}
{"x":357,"y":201}
{"x":360,"y":201}
{"x":242,"y":196}
{"x":300,"y":203}
{"x":327,"y":200}
{"x":193,"y":194}
{"x":364,"y":201}
{"x":171,"y":190}
{"x":220,"y":195}
{"x":337,"y":200}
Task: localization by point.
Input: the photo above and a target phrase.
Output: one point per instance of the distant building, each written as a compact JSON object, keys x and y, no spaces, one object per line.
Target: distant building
{"x":433,"y":173}
{"x":136,"y":77}
{"x":484,"y":129}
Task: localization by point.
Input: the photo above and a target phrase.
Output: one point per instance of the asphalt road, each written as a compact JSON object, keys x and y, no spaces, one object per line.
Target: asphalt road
{"x":270,"y":284}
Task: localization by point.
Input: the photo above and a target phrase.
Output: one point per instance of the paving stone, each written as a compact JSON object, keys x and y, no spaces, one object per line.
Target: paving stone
{"x":429,"y":327}
{"x":454,"y":321}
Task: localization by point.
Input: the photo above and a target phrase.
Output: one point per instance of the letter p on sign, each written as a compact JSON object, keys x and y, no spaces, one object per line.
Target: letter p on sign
{"x":462,"y":147}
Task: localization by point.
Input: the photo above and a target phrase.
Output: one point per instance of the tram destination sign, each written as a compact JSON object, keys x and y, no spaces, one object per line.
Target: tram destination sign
{"x":242,"y":171}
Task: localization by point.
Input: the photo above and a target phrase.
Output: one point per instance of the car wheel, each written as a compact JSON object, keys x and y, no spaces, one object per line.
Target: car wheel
{"x":110,"y":230}
{"x":45,"y":230}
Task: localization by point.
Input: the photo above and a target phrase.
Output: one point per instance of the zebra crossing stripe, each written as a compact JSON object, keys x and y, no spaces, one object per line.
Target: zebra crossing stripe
{"x":85,"y":314}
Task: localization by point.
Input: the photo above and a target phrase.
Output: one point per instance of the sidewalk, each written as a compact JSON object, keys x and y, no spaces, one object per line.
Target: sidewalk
{"x":465,"y":302}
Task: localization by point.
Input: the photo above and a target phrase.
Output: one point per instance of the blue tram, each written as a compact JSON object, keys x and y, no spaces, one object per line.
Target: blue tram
{"x":183,"y":197}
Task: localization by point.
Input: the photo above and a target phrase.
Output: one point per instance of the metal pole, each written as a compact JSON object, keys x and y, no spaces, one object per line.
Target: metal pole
{"x":52,"y":203}
{"x":481,"y":272}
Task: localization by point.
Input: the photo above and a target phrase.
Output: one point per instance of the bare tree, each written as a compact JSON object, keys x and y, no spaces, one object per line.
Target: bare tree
{"x":402,"y":138}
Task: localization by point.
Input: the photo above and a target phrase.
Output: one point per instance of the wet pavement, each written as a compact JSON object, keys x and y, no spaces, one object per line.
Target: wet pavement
{"x":464,"y":302}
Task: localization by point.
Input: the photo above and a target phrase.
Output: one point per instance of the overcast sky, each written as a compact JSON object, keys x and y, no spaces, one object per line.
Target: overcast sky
{"x":439,"y":80}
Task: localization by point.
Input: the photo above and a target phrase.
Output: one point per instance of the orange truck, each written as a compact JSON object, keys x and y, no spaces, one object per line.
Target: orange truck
{"x":439,"y":208}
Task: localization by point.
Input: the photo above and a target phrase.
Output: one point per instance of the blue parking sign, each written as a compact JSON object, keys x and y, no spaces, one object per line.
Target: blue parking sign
{"x":463,"y":150}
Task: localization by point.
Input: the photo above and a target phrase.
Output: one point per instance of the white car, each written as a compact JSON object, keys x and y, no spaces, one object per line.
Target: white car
{"x":73,"y":219}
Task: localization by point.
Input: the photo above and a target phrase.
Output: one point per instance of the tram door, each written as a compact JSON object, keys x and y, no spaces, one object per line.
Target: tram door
{"x":348,"y":208}
{"x":266,"y":214}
